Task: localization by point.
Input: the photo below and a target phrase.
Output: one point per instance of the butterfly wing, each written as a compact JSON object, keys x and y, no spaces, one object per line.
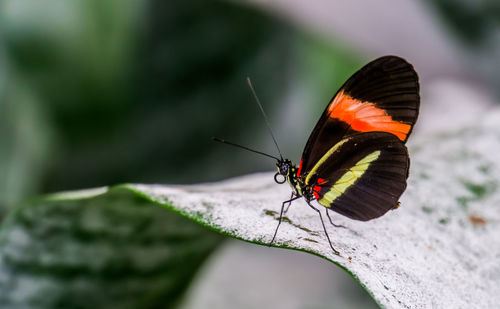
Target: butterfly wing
{"x":362,"y":176}
{"x":381,"y":96}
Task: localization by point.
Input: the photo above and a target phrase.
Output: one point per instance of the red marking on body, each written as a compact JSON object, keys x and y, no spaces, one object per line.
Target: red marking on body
{"x":317,"y":187}
{"x":300,"y":167}
{"x":365,"y":116}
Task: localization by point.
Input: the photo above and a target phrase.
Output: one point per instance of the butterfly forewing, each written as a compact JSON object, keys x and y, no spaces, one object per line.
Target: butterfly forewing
{"x":362,"y":176}
{"x":382,"y":96}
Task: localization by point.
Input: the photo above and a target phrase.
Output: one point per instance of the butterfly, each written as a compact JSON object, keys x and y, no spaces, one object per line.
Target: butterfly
{"x":355,"y":162}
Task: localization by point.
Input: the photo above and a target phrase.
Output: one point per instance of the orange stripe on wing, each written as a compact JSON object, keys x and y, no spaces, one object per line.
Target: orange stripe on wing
{"x":365,"y":116}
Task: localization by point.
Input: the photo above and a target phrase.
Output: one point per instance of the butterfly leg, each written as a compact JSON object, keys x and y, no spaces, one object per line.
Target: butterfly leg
{"x":289,"y":202}
{"x":329,"y":218}
{"x":324,"y":228}
{"x":292,"y":198}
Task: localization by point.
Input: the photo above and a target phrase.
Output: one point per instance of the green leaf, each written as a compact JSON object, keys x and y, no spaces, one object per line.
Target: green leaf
{"x":120,"y":248}
{"x":98,"y":249}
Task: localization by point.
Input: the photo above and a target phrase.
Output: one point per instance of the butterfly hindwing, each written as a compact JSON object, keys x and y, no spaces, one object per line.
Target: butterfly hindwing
{"x":362,"y":176}
{"x":381,"y":96}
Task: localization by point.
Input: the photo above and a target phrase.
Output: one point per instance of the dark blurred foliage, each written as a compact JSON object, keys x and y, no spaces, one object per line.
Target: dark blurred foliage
{"x":130,"y":91}
{"x":472,"y":21}
{"x":112,"y":251}
{"x":102,"y":92}
{"x":193,"y":68}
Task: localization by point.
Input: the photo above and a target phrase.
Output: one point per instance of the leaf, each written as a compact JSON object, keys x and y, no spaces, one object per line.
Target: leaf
{"x":98,"y":249}
{"x":439,"y":248}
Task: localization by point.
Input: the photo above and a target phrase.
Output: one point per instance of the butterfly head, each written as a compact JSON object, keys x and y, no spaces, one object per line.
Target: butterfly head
{"x":284,"y":168}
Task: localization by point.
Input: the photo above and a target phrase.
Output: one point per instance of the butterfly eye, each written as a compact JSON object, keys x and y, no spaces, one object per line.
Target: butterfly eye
{"x":279,"y":178}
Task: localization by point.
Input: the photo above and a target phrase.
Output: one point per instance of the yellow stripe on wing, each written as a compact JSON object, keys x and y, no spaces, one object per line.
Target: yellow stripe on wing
{"x":348,"y":179}
{"x":324,"y":158}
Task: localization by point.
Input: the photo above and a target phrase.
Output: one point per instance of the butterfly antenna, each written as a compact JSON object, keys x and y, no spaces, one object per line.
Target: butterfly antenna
{"x":264,"y":114}
{"x":243,"y":147}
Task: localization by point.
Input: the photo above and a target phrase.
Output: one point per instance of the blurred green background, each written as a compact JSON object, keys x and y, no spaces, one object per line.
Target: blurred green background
{"x":96,"y":93}
{"x":103,"y":92}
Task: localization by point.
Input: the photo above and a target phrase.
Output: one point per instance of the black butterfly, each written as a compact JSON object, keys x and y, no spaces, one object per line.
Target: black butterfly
{"x":355,"y":161}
